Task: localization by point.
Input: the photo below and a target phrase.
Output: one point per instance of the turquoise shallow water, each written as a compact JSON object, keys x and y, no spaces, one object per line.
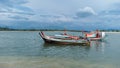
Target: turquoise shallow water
{"x":26,"y":49}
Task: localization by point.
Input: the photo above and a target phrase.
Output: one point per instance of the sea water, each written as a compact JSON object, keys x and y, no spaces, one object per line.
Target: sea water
{"x":26,"y":49}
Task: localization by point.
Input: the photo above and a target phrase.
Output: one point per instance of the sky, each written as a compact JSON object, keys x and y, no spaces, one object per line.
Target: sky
{"x":60,"y":14}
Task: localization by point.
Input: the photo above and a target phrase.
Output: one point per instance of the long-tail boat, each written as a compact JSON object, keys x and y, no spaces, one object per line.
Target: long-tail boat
{"x":64,"y":39}
{"x":94,"y":36}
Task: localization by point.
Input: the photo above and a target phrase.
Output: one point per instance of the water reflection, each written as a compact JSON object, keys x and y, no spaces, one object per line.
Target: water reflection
{"x":66,"y":51}
{"x":99,"y":46}
{"x":73,"y":51}
{"x":47,"y":45}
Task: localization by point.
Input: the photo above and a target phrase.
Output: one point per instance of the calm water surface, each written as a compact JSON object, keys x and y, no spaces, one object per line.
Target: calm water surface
{"x":26,"y":49}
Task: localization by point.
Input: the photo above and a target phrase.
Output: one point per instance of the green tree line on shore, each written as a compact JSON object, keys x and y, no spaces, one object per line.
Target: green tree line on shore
{"x":11,"y":29}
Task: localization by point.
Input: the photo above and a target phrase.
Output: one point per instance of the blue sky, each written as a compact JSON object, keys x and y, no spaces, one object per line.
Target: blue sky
{"x":70,"y":14}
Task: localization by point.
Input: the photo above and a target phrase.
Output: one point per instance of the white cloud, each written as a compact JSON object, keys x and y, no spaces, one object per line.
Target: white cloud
{"x":60,"y":11}
{"x":63,"y":18}
{"x":13,"y":16}
{"x":86,"y":12}
{"x":51,"y":18}
{"x":14,"y":10}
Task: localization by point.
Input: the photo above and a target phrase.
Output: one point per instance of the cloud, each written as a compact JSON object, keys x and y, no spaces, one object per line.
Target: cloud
{"x":85,"y":12}
{"x":63,"y":18}
{"x":48,"y":13}
{"x":13,"y":16}
{"x":12,"y":3}
{"x":18,"y":17}
{"x":112,"y":14}
{"x":15,"y":9}
{"x":113,"y":9}
{"x":51,"y":18}
{"x":14,"y":6}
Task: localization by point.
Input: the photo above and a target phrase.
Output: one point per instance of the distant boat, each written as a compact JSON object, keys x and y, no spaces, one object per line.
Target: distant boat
{"x":64,"y":39}
{"x":95,"y":35}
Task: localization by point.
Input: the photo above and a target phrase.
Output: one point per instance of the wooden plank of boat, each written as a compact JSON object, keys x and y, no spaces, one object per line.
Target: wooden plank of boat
{"x":95,"y":39}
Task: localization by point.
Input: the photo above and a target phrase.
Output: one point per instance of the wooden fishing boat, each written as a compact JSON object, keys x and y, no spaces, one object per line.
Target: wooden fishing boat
{"x":94,"y":36}
{"x":64,"y":39}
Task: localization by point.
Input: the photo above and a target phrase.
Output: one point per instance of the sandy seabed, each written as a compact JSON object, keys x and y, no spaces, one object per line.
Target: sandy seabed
{"x":47,"y":62}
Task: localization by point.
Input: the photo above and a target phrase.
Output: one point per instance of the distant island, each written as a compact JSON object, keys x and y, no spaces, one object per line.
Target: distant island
{"x":12,"y":29}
